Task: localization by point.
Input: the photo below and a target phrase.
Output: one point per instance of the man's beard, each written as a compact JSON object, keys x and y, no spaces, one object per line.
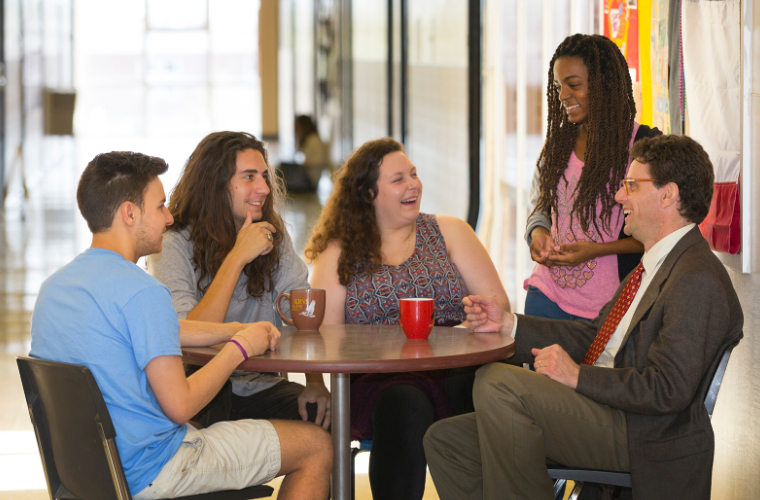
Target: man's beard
{"x":145,"y":246}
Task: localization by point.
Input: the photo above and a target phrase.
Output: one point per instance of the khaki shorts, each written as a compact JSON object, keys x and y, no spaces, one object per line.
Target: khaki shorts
{"x":225,"y":456}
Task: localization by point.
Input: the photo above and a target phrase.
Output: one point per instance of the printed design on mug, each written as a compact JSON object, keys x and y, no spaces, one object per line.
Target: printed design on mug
{"x":309,"y":311}
{"x":428,"y":273}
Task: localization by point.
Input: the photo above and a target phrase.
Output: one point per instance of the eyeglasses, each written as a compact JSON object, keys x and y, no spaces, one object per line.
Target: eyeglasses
{"x":628,"y":182}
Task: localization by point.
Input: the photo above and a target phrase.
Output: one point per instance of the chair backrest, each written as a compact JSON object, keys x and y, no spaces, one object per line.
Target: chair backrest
{"x":712,"y":391}
{"x":74,"y":431}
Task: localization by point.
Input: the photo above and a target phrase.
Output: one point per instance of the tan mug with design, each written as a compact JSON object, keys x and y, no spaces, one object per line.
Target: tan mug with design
{"x":307,"y":307}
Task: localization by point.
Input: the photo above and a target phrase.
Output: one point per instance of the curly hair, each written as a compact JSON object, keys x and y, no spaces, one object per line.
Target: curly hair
{"x":680,"y":159}
{"x":202,"y":200}
{"x":349,"y":215}
{"x":609,"y":128}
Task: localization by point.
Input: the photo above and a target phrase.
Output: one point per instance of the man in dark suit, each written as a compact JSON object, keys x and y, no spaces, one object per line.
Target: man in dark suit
{"x":624,"y":392}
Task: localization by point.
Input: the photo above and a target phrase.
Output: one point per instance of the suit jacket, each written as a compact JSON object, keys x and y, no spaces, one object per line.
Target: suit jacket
{"x":687,"y":318}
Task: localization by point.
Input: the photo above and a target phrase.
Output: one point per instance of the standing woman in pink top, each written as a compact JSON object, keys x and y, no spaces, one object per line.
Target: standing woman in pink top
{"x":575,"y":228}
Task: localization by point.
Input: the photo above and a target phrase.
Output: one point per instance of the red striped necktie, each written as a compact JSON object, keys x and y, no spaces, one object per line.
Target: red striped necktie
{"x":613,"y":319}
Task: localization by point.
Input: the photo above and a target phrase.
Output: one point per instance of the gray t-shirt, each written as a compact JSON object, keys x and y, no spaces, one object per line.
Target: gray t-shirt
{"x":174,"y":267}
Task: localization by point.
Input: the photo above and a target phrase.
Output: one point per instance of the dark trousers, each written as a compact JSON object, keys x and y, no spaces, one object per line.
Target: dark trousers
{"x":401,"y":414}
{"x":539,"y":305}
{"x":279,"y":402}
{"x":521,"y":419}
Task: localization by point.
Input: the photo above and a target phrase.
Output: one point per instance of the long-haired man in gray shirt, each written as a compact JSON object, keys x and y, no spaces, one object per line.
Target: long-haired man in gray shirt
{"x":226,"y":258}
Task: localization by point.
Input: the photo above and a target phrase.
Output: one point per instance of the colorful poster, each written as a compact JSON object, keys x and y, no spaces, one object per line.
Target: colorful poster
{"x":621,"y":25}
{"x":659,"y":58}
{"x":645,"y":26}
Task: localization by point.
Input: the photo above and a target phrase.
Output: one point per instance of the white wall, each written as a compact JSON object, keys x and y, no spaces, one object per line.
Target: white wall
{"x":736,"y":474}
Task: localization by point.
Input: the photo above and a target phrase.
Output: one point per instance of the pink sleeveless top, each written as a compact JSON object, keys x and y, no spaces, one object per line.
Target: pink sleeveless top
{"x":581,"y":290}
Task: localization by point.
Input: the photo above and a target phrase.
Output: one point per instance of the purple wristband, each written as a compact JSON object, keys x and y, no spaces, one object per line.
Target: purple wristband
{"x":245,"y":354}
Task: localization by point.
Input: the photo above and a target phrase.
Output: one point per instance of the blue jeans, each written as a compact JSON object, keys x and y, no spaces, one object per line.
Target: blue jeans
{"x":539,"y":305}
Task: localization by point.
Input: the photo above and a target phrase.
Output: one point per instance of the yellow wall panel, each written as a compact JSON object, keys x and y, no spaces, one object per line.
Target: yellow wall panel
{"x":645,"y":66}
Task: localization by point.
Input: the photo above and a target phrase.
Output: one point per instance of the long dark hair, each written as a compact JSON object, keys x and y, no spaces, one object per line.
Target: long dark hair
{"x":349,"y":215}
{"x":305,"y":126}
{"x":202,"y":200}
{"x":610,"y":126}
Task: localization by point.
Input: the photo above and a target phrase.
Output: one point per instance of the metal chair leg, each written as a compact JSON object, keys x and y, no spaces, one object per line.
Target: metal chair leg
{"x":559,"y":488}
{"x":576,"y":491}
{"x":354,"y":452}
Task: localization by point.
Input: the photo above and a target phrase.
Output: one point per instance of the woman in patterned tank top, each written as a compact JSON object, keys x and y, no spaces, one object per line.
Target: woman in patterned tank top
{"x":370,"y":248}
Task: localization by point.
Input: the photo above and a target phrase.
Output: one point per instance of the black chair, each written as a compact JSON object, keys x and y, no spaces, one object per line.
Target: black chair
{"x":76,"y":437}
{"x":562,"y":474}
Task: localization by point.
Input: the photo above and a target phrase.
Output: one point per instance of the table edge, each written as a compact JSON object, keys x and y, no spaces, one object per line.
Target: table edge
{"x":362,"y":366}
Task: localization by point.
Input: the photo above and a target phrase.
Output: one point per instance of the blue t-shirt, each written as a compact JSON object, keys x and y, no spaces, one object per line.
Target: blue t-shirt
{"x":104,"y":312}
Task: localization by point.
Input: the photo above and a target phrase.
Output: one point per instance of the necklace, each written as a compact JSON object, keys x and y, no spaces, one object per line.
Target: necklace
{"x":409,"y":238}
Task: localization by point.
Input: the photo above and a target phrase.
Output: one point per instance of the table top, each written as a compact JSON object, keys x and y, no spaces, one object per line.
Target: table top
{"x":370,"y":349}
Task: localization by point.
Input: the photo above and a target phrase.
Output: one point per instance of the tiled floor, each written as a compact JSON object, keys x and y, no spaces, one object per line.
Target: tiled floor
{"x":31,"y":250}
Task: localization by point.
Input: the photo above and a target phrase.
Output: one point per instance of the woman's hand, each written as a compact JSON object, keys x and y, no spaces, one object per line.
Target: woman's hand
{"x":575,"y":254}
{"x":253,"y":239}
{"x":542,"y":246}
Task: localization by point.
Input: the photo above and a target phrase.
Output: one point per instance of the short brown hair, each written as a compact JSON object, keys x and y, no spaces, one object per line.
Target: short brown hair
{"x":680,"y":159}
{"x":109,"y":180}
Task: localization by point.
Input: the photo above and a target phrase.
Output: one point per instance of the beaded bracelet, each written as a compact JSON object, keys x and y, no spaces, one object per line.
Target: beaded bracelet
{"x":245,"y":354}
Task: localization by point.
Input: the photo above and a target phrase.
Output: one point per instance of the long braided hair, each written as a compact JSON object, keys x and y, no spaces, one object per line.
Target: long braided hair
{"x":611,"y":111}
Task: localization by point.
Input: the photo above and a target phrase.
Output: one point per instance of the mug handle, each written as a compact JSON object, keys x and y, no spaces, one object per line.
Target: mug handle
{"x":277,"y":303}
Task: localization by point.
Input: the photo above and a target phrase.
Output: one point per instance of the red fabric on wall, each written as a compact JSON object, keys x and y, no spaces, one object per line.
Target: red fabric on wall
{"x":721,"y":228}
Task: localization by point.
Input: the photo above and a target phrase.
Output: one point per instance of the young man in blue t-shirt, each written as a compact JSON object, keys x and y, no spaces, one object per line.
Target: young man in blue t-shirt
{"x":103,"y":311}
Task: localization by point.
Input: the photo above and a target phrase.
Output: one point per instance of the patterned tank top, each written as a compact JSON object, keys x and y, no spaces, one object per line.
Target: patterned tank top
{"x":373,"y":298}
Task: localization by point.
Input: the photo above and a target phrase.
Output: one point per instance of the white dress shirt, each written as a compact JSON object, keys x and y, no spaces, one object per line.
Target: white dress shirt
{"x":652,"y":260}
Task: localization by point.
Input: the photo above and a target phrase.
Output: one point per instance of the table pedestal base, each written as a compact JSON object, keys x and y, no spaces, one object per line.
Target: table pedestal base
{"x":340,"y":384}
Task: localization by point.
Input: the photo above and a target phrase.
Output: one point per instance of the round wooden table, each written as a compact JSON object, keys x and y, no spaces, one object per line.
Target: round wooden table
{"x":344,"y":349}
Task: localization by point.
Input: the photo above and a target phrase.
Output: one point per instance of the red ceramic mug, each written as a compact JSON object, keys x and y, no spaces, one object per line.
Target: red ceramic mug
{"x":417,"y":317}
